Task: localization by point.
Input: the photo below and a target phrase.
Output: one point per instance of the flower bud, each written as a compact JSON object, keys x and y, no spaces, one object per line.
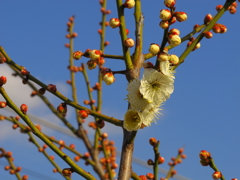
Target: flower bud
{"x":216,"y":28}
{"x":108,"y":77}
{"x":83,"y":114}
{"x":153,"y":141}
{"x":3,"y":80}
{"x":232,"y":9}
{"x":129,"y":4}
{"x":208,"y":18}
{"x":195,"y":27}
{"x":51,"y":88}
{"x":174,"y":40}
{"x":154,"y":48}
{"x":41,"y":91}
{"x":174,"y":32}
{"x":129,"y":42}
{"x":161,"y":160}
{"x":24,"y":108}
{"x":24,"y":72}
{"x":223,"y":28}
{"x":150,"y":176}
{"x":219,"y":7}
{"x":92,"y":64}
{"x":114,"y":22}
{"x":208,"y":34}
{"x":173,"y":59}
{"x":165,"y":14}
{"x":77,"y":55}
{"x":216,"y":175}
{"x":24,"y":177}
{"x":62,"y":109}
{"x":95,"y":54}
{"x":198,"y":45}
{"x":3,"y":104}
{"x":150,"y":162}
{"x":142,"y":177}
{"x":170,"y":3}
{"x":162,"y":56}
{"x":67,"y":172}
{"x":100,"y":61}
{"x":100,"y":123}
{"x":164,"y":24}
{"x":181,"y":16}
{"x":204,"y":162}
{"x":204,"y":154}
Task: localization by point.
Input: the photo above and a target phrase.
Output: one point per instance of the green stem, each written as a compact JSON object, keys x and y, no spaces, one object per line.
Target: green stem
{"x":155,"y":166}
{"x":214,"y":167}
{"x":14,"y":168}
{"x":126,"y":52}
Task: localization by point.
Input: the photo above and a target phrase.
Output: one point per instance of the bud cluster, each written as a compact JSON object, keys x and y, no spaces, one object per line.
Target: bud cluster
{"x":110,"y":151}
{"x":205,"y":157}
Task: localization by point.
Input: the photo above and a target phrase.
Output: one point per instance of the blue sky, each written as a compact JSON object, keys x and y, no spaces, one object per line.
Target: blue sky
{"x":202,"y":113}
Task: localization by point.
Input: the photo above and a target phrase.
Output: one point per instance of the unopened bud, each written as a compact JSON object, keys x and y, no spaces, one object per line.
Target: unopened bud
{"x":217,"y":175}
{"x":129,"y":42}
{"x":181,"y":16}
{"x":95,"y":54}
{"x":165,"y":14}
{"x":170,"y":3}
{"x":51,"y":88}
{"x":208,"y":34}
{"x":154,"y":48}
{"x":129,"y":4}
{"x":3,"y":80}
{"x":77,"y":55}
{"x":174,"y":40}
{"x":114,"y":22}
{"x":208,"y":18}
{"x":3,"y":104}
{"x":83,"y":114}
{"x":92,"y":64}
{"x":173,"y":59}
{"x":164,"y":24}
{"x":24,"y":108}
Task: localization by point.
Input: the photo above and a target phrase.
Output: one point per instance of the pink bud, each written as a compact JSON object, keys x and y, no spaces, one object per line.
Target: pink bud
{"x":24,"y":108}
